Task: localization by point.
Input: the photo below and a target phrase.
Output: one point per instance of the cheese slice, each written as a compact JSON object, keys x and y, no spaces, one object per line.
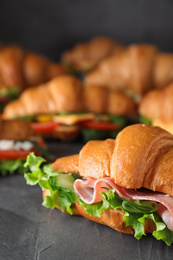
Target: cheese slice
{"x":72,"y":119}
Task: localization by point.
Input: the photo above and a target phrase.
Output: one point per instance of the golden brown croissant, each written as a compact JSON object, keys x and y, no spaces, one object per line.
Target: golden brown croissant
{"x":136,"y":166}
{"x":137,"y":69}
{"x":66,"y":93}
{"x":85,"y":56}
{"x":157,"y":106}
{"x":22,"y":69}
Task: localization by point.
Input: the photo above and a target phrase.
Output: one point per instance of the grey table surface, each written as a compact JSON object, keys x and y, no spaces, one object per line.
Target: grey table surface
{"x":29,"y":231}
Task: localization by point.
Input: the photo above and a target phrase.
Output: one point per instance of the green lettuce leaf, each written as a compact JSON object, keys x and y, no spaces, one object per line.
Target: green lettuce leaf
{"x":92,"y":134}
{"x":11,"y":93}
{"x":109,"y":200}
{"x":120,"y":120}
{"x":8,"y":95}
{"x":60,"y":185}
{"x":34,"y":162}
{"x":162,"y":232}
{"x":73,"y":70}
{"x":144,"y":120}
{"x":12,"y":166}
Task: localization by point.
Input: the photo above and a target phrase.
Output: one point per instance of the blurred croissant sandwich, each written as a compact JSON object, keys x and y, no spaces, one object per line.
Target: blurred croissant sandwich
{"x":135,"y":70}
{"x":17,"y":140}
{"x":20,"y":69}
{"x":125,"y":183}
{"x":63,"y":106}
{"x":156,"y":108}
{"x":85,"y":56}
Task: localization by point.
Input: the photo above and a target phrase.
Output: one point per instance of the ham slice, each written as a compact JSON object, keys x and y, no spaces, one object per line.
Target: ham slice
{"x":89,"y":191}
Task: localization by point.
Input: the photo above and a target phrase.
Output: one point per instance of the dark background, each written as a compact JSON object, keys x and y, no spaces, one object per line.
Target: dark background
{"x":49,"y":27}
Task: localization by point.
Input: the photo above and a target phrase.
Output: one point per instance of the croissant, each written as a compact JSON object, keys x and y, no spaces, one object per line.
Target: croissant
{"x":157,"y":106}
{"x":85,"y":56}
{"x":22,"y":68}
{"x":137,"y":165}
{"x":66,"y":93}
{"x":136,"y":70}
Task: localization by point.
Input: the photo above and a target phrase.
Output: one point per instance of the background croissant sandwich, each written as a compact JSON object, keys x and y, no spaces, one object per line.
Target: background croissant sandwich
{"x":62,"y":107}
{"x":20,"y":69}
{"x":85,"y":56}
{"x":135,"y":70}
{"x":124,"y":183}
{"x":17,"y":140}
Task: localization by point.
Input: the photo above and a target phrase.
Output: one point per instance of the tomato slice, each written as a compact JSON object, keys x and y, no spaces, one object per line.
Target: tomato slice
{"x":100,"y":125}
{"x":15,"y":154}
{"x":44,"y":127}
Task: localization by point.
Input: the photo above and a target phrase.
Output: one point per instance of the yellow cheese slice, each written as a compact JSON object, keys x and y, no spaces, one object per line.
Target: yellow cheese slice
{"x":72,"y":118}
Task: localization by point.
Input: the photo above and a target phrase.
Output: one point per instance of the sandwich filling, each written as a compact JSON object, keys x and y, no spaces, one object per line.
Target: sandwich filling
{"x":13,"y":153}
{"x":92,"y":126}
{"x":89,"y":190}
{"x":65,"y":189}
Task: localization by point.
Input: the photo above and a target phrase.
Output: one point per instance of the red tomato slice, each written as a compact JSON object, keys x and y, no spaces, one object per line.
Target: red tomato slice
{"x":15,"y":154}
{"x":100,"y":125}
{"x":44,"y":127}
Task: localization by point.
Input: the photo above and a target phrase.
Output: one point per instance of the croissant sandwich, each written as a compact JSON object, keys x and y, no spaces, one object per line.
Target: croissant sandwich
{"x":156,"y":108}
{"x":125,"y":183}
{"x":15,"y":145}
{"x":85,"y":56}
{"x":135,"y":70}
{"x":63,"y":107}
{"x":20,"y":69}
